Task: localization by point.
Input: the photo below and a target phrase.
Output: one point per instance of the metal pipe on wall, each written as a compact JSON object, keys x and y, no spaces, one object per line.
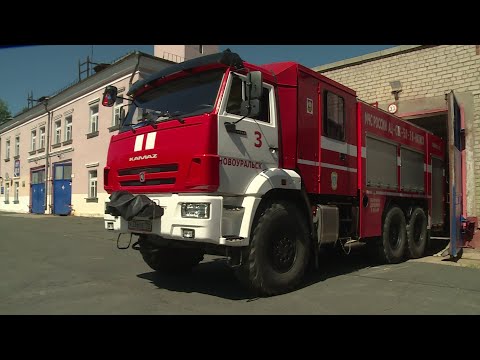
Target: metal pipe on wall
{"x":47,"y":153}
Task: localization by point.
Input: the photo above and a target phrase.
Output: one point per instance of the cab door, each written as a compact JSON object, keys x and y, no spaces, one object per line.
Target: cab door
{"x":253,"y":146}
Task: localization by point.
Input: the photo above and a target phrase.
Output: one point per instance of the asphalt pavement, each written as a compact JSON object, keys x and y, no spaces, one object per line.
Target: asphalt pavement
{"x":71,"y":265}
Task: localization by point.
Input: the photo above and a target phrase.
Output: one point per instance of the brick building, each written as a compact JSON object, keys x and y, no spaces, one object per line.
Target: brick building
{"x":416,"y":79}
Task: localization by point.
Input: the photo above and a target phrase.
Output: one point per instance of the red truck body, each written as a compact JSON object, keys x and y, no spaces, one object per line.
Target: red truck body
{"x":343,"y":164}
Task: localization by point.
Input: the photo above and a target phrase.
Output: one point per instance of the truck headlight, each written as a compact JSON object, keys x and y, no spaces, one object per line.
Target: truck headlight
{"x":196,"y":210}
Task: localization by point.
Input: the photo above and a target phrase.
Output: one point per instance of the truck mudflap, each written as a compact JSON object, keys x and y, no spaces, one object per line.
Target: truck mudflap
{"x":129,"y":206}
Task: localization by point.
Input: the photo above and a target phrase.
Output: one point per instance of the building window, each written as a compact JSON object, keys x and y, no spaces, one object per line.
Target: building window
{"x":17,"y":145}
{"x":42,"y":138}
{"x":33,"y":144}
{"x":15,"y":193}
{"x":7,"y":192}
{"x":116,"y":112}
{"x":7,"y":149}
{"x":93,"y":118}
{"x":92,"y":184}
{"x":68,"y":128}
{"x":58,"y":132}
{"x":334,"y":122}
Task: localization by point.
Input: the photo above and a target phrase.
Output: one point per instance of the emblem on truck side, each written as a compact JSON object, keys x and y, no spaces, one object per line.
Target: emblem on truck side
{"x":334,"y":177}
{"x":143,"y":157}
{"x":142,"y":176}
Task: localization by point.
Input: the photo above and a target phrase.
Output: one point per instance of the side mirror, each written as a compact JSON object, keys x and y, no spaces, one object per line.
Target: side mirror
{"x":254,"y":85}
{"x":109,"y":96}
{"x":253,"y":92}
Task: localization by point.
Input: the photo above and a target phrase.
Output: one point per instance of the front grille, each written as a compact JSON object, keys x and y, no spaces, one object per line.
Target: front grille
{"x":149,"y":169}
{"x":148,"y":182}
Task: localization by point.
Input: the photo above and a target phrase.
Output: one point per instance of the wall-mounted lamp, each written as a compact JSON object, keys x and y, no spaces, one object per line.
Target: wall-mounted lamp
{"x":396,"y":88}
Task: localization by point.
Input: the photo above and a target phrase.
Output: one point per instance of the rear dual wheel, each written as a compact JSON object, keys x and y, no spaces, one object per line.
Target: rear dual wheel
{"x":417,"y":234}
{"x":399,"y":240}
{"x":394,"y":236}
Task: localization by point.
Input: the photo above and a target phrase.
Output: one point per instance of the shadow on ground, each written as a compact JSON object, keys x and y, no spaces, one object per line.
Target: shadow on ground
{"x":215,"y":278}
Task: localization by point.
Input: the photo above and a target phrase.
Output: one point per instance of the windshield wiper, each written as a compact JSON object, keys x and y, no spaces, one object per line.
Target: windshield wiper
{"x":172,"y":116}
{"x":150,"y":122}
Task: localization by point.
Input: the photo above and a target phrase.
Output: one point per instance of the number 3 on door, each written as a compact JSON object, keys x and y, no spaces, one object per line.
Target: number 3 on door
{"x":258,"y":142}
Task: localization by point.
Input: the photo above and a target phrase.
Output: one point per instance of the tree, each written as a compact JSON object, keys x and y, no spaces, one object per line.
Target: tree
{"x":4,"y":112}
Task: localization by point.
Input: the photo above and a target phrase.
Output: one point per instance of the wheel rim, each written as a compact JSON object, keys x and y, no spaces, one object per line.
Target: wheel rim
{"x":283,"y":250}
{"x":394,"y":238}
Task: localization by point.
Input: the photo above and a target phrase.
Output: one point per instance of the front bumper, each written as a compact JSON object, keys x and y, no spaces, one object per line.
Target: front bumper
{"x":172,"y":224}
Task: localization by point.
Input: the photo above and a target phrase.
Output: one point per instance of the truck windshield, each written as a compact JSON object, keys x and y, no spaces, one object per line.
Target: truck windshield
{"x":187,"y":96}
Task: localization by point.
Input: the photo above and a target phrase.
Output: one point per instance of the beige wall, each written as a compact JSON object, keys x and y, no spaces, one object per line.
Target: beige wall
{"x":81,"y":152}
{"x":179,"y":53}
{"x":426,"y":75}
{"x":91,"y":152}
{"x":26,"y":163}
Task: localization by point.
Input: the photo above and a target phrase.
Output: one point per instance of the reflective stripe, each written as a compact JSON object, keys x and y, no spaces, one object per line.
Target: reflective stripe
{"x":341,"y":147}
{"x":326,"y":165}
{"x":308,"y":162}
{"x":150,"y":141}
{"x":370,"y":192}
{"x":138,"y":142}
{"x":338,"y":167}
{"x":338,"y":146}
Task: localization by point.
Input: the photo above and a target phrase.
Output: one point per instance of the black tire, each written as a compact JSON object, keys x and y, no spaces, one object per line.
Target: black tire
{"x":169,"y":259}
{"x":394,"y":237}
{"x":417,"y":234}
{"x":279,"y":250}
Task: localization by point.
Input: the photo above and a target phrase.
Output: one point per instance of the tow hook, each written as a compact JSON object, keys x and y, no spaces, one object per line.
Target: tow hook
{"x":128,"y":245}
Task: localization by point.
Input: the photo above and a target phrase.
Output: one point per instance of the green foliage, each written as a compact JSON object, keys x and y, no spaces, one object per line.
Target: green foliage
{"x":4,"y":112}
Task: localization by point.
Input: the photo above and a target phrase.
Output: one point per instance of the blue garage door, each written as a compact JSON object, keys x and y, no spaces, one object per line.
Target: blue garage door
{"x":37,"y":192}
{"x":62,"y":189}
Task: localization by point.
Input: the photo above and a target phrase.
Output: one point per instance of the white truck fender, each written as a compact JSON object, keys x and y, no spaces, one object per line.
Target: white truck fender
{"x":274,"y":179}
{"x":264,"y":182}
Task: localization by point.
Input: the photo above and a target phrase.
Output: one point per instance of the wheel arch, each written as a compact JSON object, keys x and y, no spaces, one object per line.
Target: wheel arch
{"x":272,"y":185}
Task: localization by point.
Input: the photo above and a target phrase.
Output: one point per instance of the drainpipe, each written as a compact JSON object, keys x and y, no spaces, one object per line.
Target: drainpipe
{"x":134,"y":71}
{"x":47,"y":151}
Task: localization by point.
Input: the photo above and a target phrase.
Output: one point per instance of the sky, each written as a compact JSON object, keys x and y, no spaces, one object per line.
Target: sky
{"x":45,"y":69}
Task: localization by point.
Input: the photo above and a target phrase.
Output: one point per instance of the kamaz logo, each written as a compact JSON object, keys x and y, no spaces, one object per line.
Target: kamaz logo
{"x":143,"y":157}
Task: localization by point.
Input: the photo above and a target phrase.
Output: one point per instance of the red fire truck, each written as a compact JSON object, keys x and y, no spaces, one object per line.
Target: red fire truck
{"x":265,"y":165}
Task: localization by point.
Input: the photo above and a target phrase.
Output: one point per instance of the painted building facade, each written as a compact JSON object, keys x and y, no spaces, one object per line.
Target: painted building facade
{"x":72,"y":131}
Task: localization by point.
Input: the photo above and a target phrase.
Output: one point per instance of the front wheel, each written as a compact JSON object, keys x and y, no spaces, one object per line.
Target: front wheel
{"x":279,"y":251}
{"x":169,"y":259}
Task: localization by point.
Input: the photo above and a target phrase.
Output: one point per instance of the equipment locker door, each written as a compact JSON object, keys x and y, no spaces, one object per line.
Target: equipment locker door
{"x":455,"y":148}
